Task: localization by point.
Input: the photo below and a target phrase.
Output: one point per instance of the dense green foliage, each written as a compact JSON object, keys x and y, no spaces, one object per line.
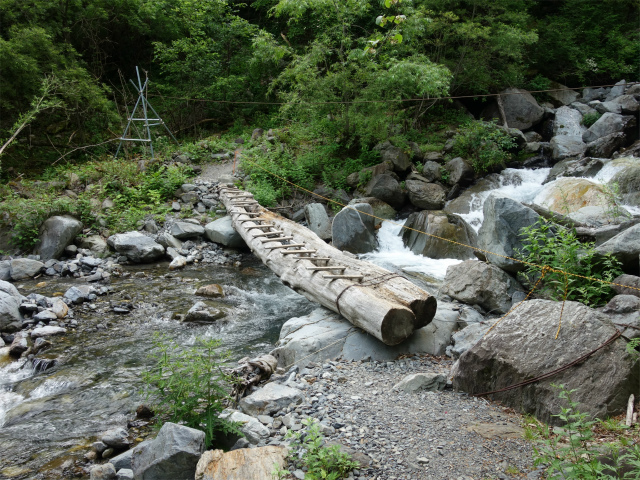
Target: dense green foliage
{"x":485,"y":144}
{"x":342,"y":67}
{"x":189,"y":386}
{"x":555,"y":246}
{"x":569,"y":451}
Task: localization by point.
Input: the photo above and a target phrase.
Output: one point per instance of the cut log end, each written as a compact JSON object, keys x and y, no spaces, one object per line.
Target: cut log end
{"x":424,"y":310}
{"x":397,"y":326}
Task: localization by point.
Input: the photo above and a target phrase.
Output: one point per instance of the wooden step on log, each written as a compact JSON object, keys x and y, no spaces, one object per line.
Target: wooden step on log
{"x":326,"y":268}
{"x":291,"y":245}
{"x":348,"y":277}
{"x":275,"y":239}
{"x":264,"y":234}
{"x":253,"y":227}
{"x":291,"y":252}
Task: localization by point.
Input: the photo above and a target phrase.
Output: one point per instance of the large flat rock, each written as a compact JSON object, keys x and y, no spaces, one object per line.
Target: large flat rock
{"x":242,"y":464}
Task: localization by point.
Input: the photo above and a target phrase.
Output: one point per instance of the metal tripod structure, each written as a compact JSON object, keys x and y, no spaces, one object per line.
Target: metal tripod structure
{"x":146,"y":106}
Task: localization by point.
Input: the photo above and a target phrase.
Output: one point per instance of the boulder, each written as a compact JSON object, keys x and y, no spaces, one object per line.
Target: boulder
{"x":117,"y":437}
{"x":521,"y":109}
{"x":627,"y":285}
{"x":356,"y":179}
{"x":19,"y":345}
{"x":589,"y":94}
{"x":568,"y":122}
{"x":103,"y":472}
{"x":381,"y":210}
{"x":605,"y":147}
{"x":430,"y":382}
{"x":504,"y":217}
{"x":56,"y":233}
{"x":79,"y":294}
{"x":561,"y":94}
{"x":242,"y":464}
{"x":398,"y":157}
{"x":617,"y":90}
{"x":172,"y":455}
{"x":270,"y":399}
{"x":59,"y":308}
{"x":125,"y":474}
{"x":221,"y":231}
{"x":95,"y":243}
{"x":123,"y":461}
{"x":599,"y":216}
{"x":169,"y":241}
{"x":252,"y":429}
{"x":201,"y":312}
{"x":622,"y":304}
{"x":460,"y":172}
{"x":572,"y":167}
{"x":465,"y":339}
{"x":47,"y":331}
{"x":625,"y":247}
{"x":186,"y":230}
{"x":628,"y":104}
{"x":5,"y":270}
{"x":523,"y":346}
{"x":439,"y":224}
{"x":23,"y":268}
{"x":565,"y":146}
{"x":473,"y":195}
{"x":10,"y":301}
{"x":628,"y":180}
{"x":354,"y":231}
{"x":480,"y":283}
{"x":428,"y":196}
{"x":610,"y":123}
{"x":431,"y":171}
{"x":567,"y":195}
{"x":386,"y":188}
{"x":213,"y":290}
{"x":136,"y":247}
{"x":317,"y":220}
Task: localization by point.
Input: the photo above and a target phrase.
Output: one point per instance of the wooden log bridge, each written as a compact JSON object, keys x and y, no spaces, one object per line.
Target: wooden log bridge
{"x":386,"y":305}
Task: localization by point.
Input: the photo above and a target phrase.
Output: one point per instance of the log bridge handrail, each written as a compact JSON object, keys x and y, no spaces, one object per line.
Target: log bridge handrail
{"x":384,"y":304}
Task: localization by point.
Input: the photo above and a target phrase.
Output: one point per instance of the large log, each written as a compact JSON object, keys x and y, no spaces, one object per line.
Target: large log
{"x":385,"y":304}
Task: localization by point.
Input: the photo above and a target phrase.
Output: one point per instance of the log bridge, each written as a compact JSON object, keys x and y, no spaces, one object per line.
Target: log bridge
{"x":384,"y":304}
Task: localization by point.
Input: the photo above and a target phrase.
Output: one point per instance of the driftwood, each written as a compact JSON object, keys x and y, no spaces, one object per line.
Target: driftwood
{"x":252,"y":372}
{"x":382,"y":303}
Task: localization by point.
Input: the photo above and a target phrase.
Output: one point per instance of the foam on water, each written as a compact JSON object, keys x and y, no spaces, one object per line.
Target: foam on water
{"x":10,"y":374}
{"x":393,"y":254}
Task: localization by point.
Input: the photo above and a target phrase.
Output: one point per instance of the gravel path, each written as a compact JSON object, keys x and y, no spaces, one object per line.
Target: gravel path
{"x":410,"y":436}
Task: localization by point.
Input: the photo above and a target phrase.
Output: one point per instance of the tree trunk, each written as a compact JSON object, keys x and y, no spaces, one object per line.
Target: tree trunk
{"x":382,"y":303}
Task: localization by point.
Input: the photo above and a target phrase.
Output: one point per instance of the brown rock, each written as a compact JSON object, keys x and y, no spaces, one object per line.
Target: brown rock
{"x":143,"y":411}
{"x":214,"y":290}
{"x":243,"y":464}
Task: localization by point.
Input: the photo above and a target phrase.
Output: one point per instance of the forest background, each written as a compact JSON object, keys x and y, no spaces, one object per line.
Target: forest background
{"x":325,"y":59}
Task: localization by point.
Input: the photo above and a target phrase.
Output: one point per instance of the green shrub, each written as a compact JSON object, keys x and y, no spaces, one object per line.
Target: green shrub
{"x":189,"y":386}
{"x":546,"y":243}
{"x":319,"y":462}
{"x":485,"y":144}
{"x":570,"y":453}
{"x":590,"y":118}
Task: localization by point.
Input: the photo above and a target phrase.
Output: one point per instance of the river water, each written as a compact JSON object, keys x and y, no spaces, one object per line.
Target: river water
{"x":47,"y":418}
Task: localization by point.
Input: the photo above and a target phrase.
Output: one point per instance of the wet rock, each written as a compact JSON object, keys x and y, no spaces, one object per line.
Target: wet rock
{"x":19,"y":345}
{"x":500,"y":230}
{"x":45,"y":316}
{"x":317,"y":220}
{"x":625,"y":247}
{"x":201,"y":312}
{"x":136,"y":247}
{"x":270,"y":399}
{"x":79,"y":294}
{"x":571,"y":167}
{"x":474,"y":282}
{"x":172,"y":455}
{"x":354,"y":231}
{"x":178,"y":262}
{"x":523,"y":346}
{"x":221,"y":231}
{"x":47,"y":331}
{"x":103,"y":472}
{"x":56,"y":233}
{"x":10,"y":300}
{"x":242,"y":464}
{"x":429,"y":382}
{"x":186,"y":230}
{"x":439,"y":224}
{"x":116,"y":437}
{"x":427,"y":196}
{"x":628,"y":180}
{"x":213,"y":290}
{"x":23,"y":268}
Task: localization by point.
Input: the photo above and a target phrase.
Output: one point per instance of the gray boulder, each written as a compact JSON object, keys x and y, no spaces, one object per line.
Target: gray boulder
{"x":23,"y":268}
{"x":460,"y":172}
{"x":568,"y":122}
{"x":465,"y":339}
{"x":318,"y":220}
{"x":252,"y":429}
{"x":136,"y":247}
{"x":500,"y":231}
{"x":186,"y":230}
{"x":565,"y":146}
{"x":617,"y":90}
{"x":56,"y":233}
{"x":561,"y":94}
{"x":354,"y":231}
{"x":622,"y":304}
{"x":172,"y":455}
{"x":428,"y":196}
{"x":429,"y":382}
{"x":386,"y":188}
{"x":10,"y":301}
{"x":596,"y":216}
{"x":397,"y":156}
{"x":523,"y":346}
{"x":439,"y":224}
{"x":169,"y":241}
{"x":431,"y":171}
{"x":521,"y":109}
{"x":79,"y":294}
{"x":222,"y":231}
{"x":103,"y":472}
{"x":381,"y":210}
{"x":356,"y":179}
{"x":605,"y":147}
{"x":625,"y":247}
{"x":480,"y":283}
{"x":589,"y":94}
{"x":628,"y":181}
{"x":125,"y":474}
{"x":95,"y":243}
{"x":201,"y":312}
{"x":574,"y":167}
{"x":610,"y":123}
{"x":5,"y":270}
{"x":270,"y":399}
{"x":627,"y":285}
{"x":123,"y":461}
{"x":117,"y":437}
{"x":628,"y":104}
